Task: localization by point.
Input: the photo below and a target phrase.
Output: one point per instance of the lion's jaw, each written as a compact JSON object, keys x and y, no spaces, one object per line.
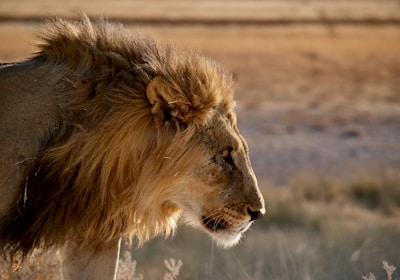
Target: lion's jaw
{"x":225,"y":237}
{"x":225,"y":226}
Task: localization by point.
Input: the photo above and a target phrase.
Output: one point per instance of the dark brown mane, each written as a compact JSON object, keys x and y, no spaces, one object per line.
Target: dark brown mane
{"x":98,"y":170}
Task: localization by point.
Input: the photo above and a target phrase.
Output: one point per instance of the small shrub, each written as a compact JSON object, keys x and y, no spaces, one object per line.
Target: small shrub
{"x":173,"y":267}
{"x":367,"y":194}
{"x":379,"y":193}
{"x":352,"y":132}
{"x":127,"y":268}
{"x":316,"y":188}
{"x":390,"y":269}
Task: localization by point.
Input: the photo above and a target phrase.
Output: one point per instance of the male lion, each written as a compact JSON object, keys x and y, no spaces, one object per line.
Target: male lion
{"x":104,"y":134}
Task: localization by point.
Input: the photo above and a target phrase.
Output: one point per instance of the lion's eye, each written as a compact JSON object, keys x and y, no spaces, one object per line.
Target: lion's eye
{"x":227,"y":156}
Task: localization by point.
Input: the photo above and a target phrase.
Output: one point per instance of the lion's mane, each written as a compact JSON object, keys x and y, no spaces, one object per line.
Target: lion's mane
{"x":108,"y":166}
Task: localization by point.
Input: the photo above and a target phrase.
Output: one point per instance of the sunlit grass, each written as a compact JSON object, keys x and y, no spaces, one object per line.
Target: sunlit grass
{"x":318,"y":227}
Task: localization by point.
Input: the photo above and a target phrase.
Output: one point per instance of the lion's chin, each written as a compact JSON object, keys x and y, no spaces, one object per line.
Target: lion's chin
{"x":221,"y":234}
{"x":226,"y":239}
{"x":224,"y":236}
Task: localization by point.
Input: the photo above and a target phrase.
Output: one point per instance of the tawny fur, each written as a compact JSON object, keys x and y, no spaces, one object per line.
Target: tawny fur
{"x":105,"y":168}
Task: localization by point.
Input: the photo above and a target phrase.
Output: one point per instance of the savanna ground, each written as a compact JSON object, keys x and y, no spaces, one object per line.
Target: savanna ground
{"x":318,"y":99}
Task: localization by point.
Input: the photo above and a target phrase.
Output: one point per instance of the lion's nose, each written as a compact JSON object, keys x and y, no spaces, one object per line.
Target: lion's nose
{"x":255,"y":214}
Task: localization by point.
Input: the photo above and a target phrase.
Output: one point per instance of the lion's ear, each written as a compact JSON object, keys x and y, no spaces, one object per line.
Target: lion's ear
{"x":169,"y":105}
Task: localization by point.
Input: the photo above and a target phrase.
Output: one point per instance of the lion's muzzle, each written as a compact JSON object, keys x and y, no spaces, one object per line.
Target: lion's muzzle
{"x":255,"y":214}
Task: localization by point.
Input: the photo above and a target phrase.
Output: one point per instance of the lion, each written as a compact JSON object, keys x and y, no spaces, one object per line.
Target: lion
{"x":105,"y":135}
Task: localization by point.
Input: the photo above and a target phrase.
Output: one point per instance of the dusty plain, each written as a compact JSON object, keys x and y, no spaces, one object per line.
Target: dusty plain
{"x":310,"y":98}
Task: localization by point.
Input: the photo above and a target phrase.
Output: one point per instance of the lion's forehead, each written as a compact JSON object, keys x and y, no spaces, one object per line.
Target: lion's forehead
{"x":225,"y":160}
{"x":218,"y":134}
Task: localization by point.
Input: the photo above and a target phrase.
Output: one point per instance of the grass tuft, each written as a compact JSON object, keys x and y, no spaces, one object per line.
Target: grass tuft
{"x":390,"y":269}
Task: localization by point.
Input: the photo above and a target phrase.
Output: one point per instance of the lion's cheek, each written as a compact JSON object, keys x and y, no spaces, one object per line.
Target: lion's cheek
{"x":203,"y":197}
{"x":212,"y":175}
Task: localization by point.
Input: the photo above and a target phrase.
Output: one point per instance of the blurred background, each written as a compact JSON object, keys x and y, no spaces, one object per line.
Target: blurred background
{"x":318,"y":100}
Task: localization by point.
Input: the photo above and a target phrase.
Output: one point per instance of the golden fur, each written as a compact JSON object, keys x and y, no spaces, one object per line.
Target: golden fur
{"x":123,"y":138}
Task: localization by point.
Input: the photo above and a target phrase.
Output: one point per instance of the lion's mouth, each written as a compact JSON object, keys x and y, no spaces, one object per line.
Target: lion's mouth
{"x":214,"y":225}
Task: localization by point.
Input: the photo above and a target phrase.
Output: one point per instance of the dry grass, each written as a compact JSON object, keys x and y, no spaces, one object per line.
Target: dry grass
{"x":41,"y":266}
{"x":317,"y":228}
{"x":320,"y":202}
{"x":47,"y":266}
{"x":377,"y":191}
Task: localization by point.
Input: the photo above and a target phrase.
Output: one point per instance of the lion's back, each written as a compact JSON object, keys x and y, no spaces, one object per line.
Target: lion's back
{"x":26,"y":115}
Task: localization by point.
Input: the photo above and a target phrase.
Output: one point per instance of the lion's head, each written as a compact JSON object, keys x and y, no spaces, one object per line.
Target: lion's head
{"x":225,"y":197}
{"x":136,"y":135}
{"x":217,"y":190}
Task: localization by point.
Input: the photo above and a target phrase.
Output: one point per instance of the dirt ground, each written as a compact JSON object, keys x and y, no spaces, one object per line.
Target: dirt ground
{"x":215,"y":11}
{"x":311,"y":98}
